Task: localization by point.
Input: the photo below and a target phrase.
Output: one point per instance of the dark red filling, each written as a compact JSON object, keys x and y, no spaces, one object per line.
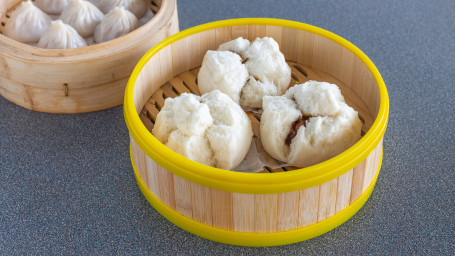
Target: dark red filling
{"x":294,"y":128}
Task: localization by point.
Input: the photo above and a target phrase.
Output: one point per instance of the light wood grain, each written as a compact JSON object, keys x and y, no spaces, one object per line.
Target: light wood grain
{"x":288,"y":210}
{"x":327,"y":199}
{"x":265,"y":213}
{"x":201,"y":203}
{"x":239,"y":31}
{"x":152,"y":174}
{"x":222,"y":209}
{"x":166,"y":186}
{"x":255,"y":31}
{"x":182,"y":192}
{"x":358,"y":177}
{"x":343,"y":191}
{"x":243,"y":212}
{"x":308,"y":206}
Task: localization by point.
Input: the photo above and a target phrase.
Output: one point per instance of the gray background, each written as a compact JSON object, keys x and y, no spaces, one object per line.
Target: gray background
{"x":67,"y":186}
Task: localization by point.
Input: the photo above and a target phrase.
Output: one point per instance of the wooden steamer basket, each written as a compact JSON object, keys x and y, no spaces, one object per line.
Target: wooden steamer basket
{"x":276,"y":206}
{"x":82,"y":79}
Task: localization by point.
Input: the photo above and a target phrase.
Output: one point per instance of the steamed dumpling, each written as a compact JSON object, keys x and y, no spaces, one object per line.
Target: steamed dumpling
{"x":52,"y":6}
{"x":27,"y":23}
{"x":61,"y":36}
{"x":137,"y":7}
{"x":82,"y":16}
{"x":309,"y":124}
{"x":116,"y":23}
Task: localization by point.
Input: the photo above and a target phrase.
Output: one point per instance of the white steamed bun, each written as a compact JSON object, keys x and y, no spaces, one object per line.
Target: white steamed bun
{"x":267,"y":72}
{"x":224,"y":71}
{"x":210,"y":129}
{"x":309,"y":124}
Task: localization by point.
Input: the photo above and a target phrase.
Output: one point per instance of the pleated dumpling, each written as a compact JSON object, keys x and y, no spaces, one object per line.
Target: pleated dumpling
{"x":61,"y":36}
{"x":137,"y":7}
{"x":82,"y":16}
{"x":27,"y":23}
{"x":116,"y":23}
{"x":52,"y":6}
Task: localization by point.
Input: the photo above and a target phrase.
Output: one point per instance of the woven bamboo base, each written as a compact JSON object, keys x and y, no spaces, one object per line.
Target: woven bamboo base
{"x":187,"y":82}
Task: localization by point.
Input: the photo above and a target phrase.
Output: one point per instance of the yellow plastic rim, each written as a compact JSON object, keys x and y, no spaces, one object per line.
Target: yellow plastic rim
{"x":255,"y":182}
{"x":255,"y":239}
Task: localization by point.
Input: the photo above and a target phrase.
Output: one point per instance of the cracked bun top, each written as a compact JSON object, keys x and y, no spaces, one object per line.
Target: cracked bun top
{"x":259,"y":69}
{"x":210,"y":129}
{"x":309,"y":124}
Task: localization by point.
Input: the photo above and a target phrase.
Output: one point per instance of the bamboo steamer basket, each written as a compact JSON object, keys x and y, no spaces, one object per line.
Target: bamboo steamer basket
{"x":276,"y":206}
{"x":78,"y":80}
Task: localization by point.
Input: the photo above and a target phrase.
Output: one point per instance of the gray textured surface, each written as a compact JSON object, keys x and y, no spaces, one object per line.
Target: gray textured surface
{"x":67,"y":186}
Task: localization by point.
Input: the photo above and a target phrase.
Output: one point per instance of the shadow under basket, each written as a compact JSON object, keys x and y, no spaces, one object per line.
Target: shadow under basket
{"x":78,"y":80}
{"x":276,"y":206}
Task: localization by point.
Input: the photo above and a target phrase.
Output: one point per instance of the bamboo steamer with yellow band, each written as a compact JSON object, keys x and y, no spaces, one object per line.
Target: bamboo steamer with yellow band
{"x":276,"y":206}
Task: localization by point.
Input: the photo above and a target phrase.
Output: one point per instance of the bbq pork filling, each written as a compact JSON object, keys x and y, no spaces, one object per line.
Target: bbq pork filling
{"x":309,"y":124}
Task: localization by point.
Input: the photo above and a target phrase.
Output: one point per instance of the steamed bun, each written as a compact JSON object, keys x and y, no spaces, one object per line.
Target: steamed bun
{"x":258,"y":70}
{"x":224,"y":71}
{"x":210,"y":129}
{"x":309,"y":124}
{"x":265,"y":62}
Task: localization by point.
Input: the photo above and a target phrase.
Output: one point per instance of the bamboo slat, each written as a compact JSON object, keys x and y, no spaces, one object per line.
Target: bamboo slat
{"x":327,"y":199}
{"x":182,"y":192}
{"x":201,"y":203}
{"x":343,"y":191}
{"x":243,"y":212}
{"x":222,"y":209}
{"x":358,"y":177}
{"x":265,"y":213}
{"x":288,"y":210}
{"x":308,"y":206}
